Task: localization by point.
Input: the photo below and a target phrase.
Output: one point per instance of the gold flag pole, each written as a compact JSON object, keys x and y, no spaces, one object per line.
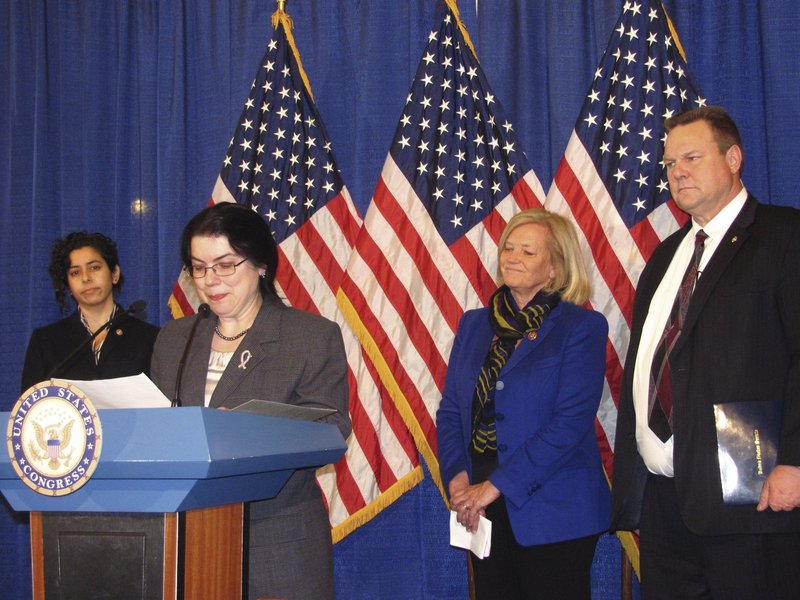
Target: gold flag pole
{"x":281,"y":17}
{"x":453,"y":6}
{"x":674,"y":33}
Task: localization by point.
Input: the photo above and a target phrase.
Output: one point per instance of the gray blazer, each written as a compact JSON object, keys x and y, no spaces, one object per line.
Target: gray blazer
{"x":295,"y":357}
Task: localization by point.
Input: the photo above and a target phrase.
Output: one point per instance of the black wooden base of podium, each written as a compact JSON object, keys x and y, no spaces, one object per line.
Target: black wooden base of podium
{"x":105,"y":555}
{"x":85,"y":556}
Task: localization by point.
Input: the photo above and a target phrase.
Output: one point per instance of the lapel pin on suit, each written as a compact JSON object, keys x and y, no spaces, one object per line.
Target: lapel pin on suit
{"x":244,"y":358}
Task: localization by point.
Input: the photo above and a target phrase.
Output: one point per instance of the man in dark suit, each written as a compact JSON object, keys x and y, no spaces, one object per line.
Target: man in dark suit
{"x":737,"y":339}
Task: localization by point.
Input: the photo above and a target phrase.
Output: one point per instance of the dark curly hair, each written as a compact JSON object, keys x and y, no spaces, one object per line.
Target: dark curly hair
{"x":246,"y":232}
{"x":59,"y":260}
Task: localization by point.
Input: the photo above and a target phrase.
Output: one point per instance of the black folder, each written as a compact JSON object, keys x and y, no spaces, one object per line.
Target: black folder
{"x":747,"y":441}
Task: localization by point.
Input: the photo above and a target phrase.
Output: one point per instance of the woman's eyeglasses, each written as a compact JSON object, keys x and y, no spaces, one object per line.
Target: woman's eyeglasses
{"x":223,"y":269}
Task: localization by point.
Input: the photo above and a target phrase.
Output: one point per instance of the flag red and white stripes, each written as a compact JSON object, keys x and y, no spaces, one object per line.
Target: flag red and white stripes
{"x":427,"y":249}
{"x":280,"y":163}
{"x":612,"y":184}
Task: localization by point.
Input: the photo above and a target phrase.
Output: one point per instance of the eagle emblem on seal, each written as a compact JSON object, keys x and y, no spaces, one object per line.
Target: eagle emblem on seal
{"x":54,"y":438}
{"x":50,"y":444}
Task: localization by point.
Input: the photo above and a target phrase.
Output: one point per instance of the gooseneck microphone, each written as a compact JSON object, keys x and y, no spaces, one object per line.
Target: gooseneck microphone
{"x":135,"y":308}
{"x":202,"y":311}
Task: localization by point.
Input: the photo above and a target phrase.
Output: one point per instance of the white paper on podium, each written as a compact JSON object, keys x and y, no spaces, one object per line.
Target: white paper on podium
{"x":480,"y":542}
{"x":136,"y":391}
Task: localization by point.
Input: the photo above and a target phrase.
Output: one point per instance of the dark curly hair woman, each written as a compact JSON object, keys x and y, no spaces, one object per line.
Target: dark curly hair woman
{"x":85,"y":266}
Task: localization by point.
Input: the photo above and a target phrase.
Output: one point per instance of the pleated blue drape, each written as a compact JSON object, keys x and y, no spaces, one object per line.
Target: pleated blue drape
{"x":115,"y":117}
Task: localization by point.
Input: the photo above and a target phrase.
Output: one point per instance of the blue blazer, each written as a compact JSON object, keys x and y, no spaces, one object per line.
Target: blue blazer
{"x":546,"y":399}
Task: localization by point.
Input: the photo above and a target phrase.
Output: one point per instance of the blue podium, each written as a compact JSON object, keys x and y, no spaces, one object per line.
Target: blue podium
{"x":199,"y":463}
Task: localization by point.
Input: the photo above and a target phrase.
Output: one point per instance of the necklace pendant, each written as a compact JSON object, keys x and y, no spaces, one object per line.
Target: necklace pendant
{"x":532,"y":335}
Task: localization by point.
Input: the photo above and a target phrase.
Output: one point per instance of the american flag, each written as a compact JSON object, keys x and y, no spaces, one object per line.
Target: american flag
{"x":280,"y":163}
{"x":427,"y":250}
{"x":611,"y":180}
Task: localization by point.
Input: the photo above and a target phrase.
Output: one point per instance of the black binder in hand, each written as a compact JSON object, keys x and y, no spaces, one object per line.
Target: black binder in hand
{"x":284,"y":410}
{"x":747,"y":441}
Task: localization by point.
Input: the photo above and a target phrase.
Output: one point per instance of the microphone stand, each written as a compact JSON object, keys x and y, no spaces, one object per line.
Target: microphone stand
{"x":202,"y":311}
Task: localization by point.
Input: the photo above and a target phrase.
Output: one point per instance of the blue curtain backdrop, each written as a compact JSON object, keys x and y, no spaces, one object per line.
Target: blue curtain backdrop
{"x":115,"y":116}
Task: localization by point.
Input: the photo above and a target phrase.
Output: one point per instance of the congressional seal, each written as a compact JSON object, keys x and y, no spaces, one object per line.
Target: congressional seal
{"x":54,"y":438}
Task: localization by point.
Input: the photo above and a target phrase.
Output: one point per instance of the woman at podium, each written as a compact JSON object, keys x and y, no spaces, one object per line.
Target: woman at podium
{"x":244,"y":344}
{"x":85,"y":266}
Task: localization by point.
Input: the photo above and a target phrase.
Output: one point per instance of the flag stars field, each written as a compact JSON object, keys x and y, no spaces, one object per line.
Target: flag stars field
{"x":612,"y":182}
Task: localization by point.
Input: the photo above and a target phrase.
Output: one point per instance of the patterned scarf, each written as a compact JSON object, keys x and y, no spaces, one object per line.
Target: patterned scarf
{"x":509,"y":324}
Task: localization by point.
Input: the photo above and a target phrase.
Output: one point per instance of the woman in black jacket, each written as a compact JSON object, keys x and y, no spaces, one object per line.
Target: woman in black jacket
{"x":86,"y":267}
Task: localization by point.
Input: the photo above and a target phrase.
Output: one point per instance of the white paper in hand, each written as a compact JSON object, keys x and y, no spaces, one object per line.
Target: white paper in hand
{"x":479,"y":543}
{"x":134,"y":391}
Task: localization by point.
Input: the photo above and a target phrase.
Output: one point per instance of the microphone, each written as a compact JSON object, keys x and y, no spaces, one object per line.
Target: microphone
{"x":135,"y":308}
{"x":202,"y":311}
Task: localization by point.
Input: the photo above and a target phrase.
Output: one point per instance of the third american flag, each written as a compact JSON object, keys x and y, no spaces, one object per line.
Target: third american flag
{"x":612,"y":183}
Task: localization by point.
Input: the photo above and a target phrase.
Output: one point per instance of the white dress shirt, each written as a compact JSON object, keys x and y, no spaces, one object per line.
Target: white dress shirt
{"x":657,"y":455}
{"x":217,"y":363}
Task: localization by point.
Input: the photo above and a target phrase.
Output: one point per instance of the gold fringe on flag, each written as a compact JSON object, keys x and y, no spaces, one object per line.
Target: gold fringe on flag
{"x":453,"y":6}
{"x":386,"y":498}
{"x":281,"y":17}
{"x":175,"y":307}
{"x":675,"y":37}
{"x":370,"y":346}
{"x":628,"y":541}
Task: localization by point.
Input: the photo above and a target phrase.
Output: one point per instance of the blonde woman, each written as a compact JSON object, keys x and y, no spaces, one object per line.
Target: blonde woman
{"x":516,"y":423}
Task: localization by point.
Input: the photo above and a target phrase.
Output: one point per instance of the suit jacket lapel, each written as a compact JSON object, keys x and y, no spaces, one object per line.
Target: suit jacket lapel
{"x":114,"y":337}
{"x":110,"y":343}
{"x":253,"y":350}
{"x":726,"y":250}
